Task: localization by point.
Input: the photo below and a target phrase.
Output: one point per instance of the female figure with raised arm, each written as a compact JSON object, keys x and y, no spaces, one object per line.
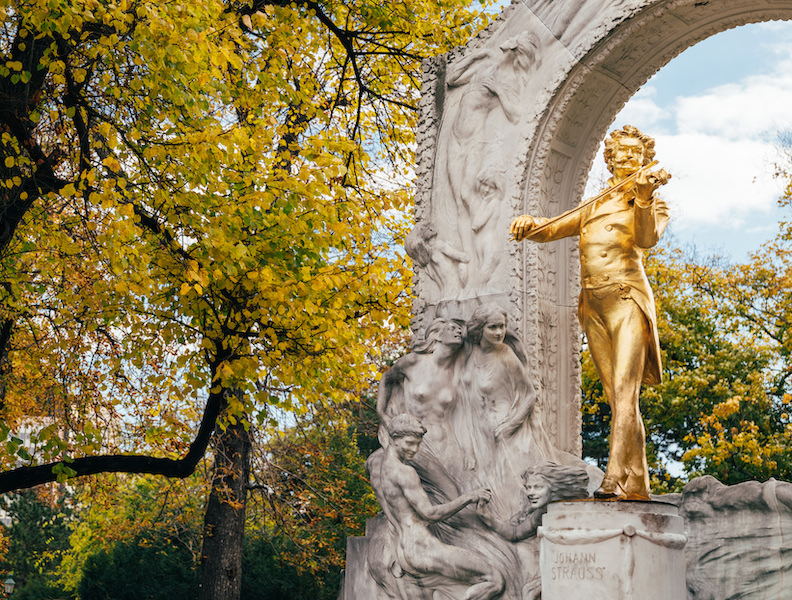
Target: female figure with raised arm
{"x":422,"y":384}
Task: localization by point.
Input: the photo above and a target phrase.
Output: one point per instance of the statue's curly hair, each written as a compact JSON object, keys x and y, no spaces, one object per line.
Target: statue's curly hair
{"x":405,"y":424}
{"x":628,"y":131}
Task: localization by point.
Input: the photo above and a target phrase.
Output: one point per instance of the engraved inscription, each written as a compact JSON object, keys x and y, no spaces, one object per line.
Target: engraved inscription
{"x":576,"y":566}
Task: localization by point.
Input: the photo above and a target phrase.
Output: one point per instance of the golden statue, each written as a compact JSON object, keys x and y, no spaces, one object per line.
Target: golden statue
{"x":616,"y":307}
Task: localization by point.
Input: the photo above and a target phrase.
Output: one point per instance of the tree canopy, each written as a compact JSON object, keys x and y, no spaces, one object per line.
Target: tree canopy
{"x":197,"y":206}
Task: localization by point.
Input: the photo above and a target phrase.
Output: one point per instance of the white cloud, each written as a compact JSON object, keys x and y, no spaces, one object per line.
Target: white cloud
{"x":719,"y":145}
{"x":774,"y":26}
{"x":717,"y":181}
{"x":724,"y":151}
{"x":642,"y":108}
{"x":756,"y":107}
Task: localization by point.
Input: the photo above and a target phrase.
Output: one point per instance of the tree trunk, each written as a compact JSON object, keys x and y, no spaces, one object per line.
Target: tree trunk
{"x":224,"y":522}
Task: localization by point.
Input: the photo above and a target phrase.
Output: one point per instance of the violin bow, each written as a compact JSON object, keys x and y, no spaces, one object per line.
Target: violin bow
{"x":602,"y":194}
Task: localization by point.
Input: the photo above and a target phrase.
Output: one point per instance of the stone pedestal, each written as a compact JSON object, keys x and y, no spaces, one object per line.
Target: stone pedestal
{"x":612,"y":551}
{"x":358,"y":584}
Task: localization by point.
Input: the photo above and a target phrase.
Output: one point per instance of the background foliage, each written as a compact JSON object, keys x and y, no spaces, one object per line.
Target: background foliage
{"x":204,"y":198}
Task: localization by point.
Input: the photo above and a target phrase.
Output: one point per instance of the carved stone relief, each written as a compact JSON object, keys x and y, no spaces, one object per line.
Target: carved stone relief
{"x":480,"y":441}
{"x":488,"y":103}
{"x":738,"y":538}
{"x":510,"y":124}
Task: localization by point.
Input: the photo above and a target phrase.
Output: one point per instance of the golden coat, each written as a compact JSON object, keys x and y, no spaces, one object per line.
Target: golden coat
{"x":614,"y":232}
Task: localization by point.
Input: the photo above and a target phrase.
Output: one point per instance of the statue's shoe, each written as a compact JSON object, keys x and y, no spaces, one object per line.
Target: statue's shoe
{"x":636,"y":491}
{"x":609,"y":490}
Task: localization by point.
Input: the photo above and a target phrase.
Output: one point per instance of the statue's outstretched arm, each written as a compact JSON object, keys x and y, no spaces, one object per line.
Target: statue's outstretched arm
{"x":421,"y":504}
{"x":540,"y":229}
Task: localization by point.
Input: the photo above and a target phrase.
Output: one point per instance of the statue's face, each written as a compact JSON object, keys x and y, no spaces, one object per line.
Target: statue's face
{"x":452,"y":334}
{"x":487,"y":187}
{"x":627,"y":157}
{"x":495,"y":329}
{"x":538,"y":491}
{"x":406,"y":446}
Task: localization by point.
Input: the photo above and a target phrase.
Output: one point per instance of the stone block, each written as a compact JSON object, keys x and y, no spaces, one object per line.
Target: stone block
{"x":612,"y":551}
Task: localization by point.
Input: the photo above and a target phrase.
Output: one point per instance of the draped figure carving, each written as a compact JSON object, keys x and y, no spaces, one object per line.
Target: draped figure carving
{"x":468,"y":385}
{"x":490,"y":87}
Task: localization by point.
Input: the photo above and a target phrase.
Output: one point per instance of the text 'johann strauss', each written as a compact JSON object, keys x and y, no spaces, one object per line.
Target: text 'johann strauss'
{"x":576,"y":565}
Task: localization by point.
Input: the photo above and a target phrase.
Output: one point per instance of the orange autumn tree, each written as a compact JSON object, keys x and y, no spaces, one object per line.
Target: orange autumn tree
{"x":746,"y":435}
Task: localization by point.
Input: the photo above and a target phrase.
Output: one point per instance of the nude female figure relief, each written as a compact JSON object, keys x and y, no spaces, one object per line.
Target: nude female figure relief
{"x":422,"y":383}
{"x":499,"y":426}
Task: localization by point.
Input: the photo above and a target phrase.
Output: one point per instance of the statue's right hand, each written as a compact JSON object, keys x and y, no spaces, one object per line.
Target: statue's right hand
{"x":489,"y":83}
{"x":481,"y":495}
{"x":521,"y":226}
{"x":482,"y":510}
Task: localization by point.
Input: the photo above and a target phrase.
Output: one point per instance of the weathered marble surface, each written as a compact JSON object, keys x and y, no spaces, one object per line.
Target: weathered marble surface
{"x":467,"y":384}
{"x":740,"y":539}
{"x":607,"y":550}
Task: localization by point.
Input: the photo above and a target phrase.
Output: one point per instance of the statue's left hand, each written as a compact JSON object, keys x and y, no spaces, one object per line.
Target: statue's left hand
{"x":481,"y":508}
{"x":521,"y":226}
{"x":643,"y":188}
{"x":646,"y":183}
{"x":482,"y":495}
{"x":490,"y":84}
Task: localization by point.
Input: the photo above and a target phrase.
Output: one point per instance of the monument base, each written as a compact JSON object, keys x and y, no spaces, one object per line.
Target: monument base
{"x":358,"y":583}
{"x":612,"y":551}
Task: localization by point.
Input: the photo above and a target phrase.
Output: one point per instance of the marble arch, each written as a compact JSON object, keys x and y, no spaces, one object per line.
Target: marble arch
{"x":510,"y":124}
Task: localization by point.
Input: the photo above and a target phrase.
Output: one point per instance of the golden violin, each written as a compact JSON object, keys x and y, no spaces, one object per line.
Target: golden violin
{"x":658,"y":178}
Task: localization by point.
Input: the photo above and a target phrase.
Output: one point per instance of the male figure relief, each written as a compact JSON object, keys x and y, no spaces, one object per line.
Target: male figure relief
{"x":616,"y":306}
{"x":410,"y":511}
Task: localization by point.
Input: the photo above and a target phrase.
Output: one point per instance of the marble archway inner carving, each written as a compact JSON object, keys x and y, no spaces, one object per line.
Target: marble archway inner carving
{"x":510,"y":124}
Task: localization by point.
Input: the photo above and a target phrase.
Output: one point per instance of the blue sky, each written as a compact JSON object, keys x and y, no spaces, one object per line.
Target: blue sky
{"x":716,"y":112}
